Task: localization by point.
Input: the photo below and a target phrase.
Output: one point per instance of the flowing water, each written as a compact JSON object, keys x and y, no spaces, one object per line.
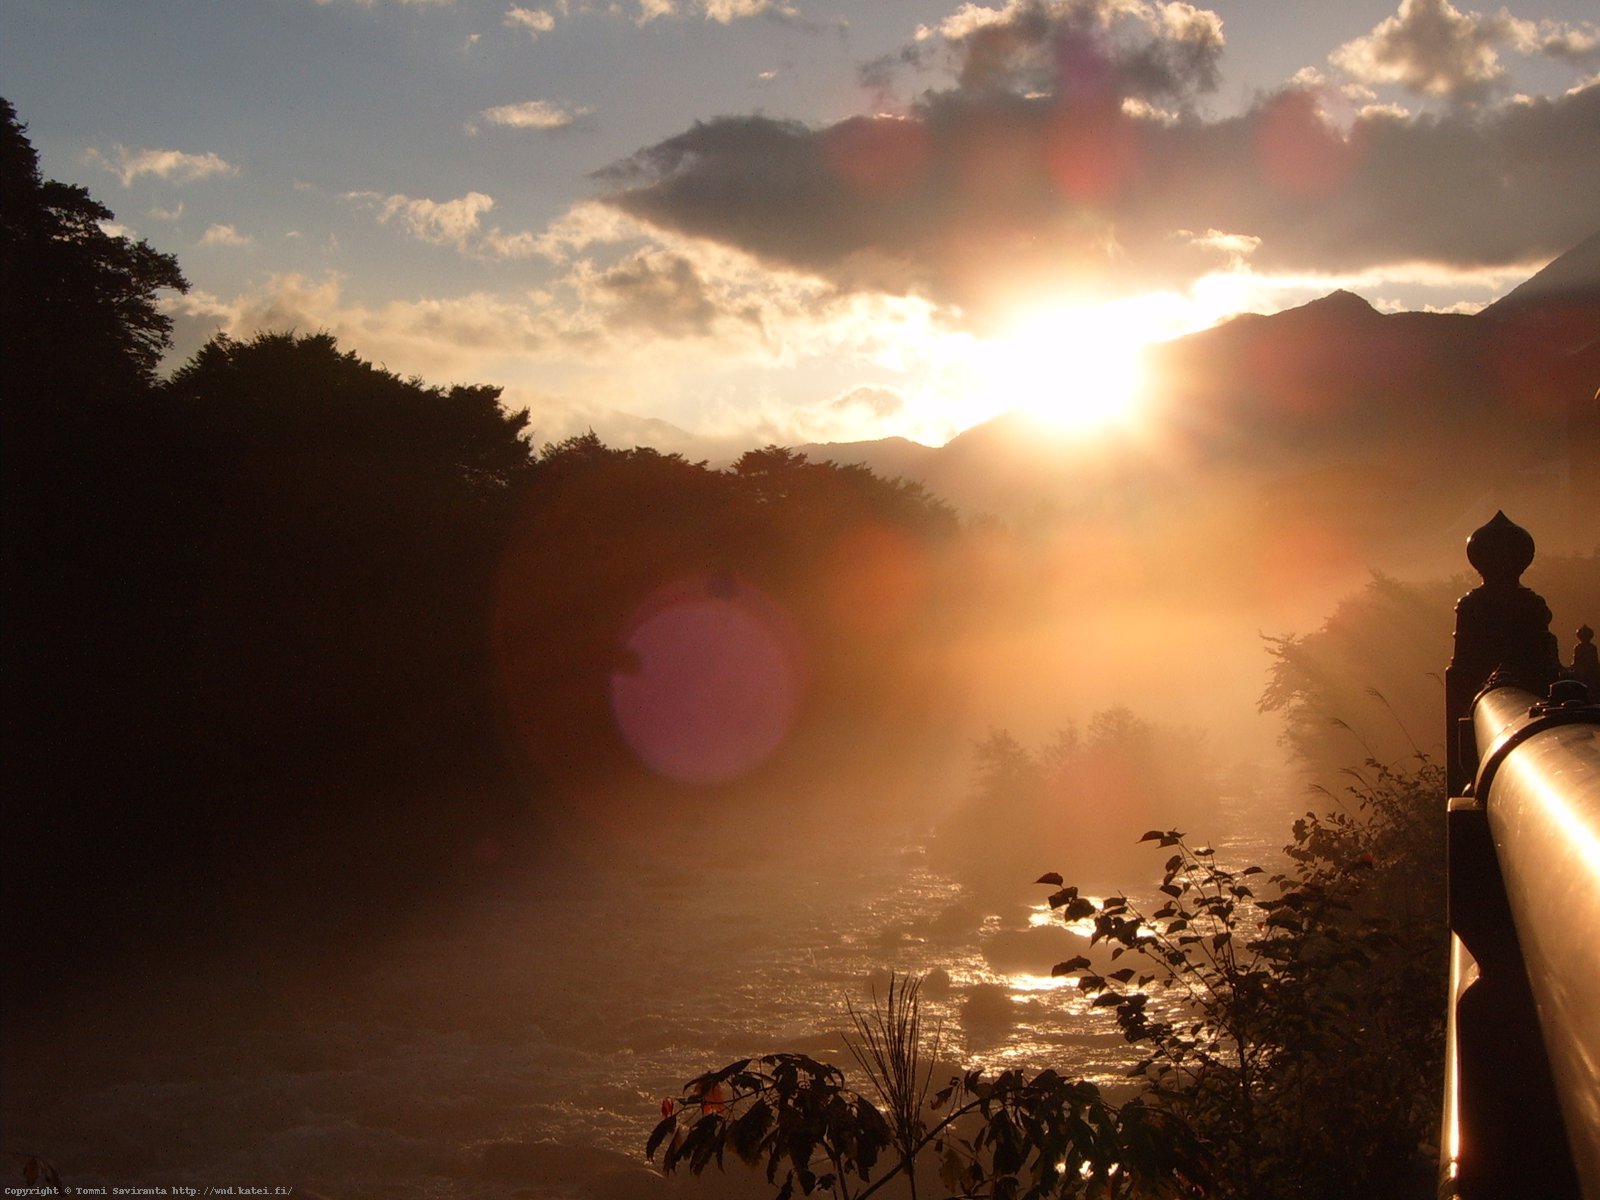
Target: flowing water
{"x":523,"y":1048}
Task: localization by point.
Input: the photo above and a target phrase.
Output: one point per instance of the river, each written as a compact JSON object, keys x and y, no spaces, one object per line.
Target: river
{"x":522,"y":1046}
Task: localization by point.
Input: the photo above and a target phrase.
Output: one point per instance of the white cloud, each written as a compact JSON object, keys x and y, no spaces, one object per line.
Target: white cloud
{"x":724,"y":12}
{"x":447,"y":337}
{"x":225,"y":235}
{"x":174,"y":166}
{"x":1235,"y":246}
{"x":442,"y":222}
{"x":1432,"y":48}
{"x":1578,"y":45}
{"x":533,"y":21}
{"x":456,"y":223}
{"x":533,"y":114}
{"x":727,"y":11}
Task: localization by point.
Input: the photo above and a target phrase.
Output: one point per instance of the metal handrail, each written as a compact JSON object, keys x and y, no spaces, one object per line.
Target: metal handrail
{"x":1522,"y":1080}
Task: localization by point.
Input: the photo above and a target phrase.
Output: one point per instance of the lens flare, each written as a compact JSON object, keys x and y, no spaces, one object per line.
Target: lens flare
{"x":711,"y":680}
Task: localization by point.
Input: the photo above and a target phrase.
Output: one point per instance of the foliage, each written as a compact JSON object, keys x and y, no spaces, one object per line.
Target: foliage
{"x":1289,"y":1028}
{"x":1369,"y":682}
{"x":1080,"y":801}
{"x":78,"y":313}
{"x":888,"y":1047}
{"x":1266,"y":1014}
{"x":38,"y":1172}
{"x":1005,"y":1135}
{"x":289,"y":607}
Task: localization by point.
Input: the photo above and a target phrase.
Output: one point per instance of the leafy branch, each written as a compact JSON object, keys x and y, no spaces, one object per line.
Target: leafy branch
{"x":1004,"y":1136}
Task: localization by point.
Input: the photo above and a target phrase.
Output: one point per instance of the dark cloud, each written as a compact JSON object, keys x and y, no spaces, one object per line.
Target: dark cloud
{"x":1464,"y":189}
{"x":985,"y":189}
{"x":659,"y":292}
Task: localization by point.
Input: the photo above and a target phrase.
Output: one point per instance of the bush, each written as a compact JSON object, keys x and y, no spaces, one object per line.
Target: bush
{"x":1290,"y":1027}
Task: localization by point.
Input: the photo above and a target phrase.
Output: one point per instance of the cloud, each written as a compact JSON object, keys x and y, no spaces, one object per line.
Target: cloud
{"x":533,"y":21}
{"x":456,"y":223}
{"x":444,"y":223}
{"x":225,"y":235}
{"x":173,"y":166}
{"x":1432,"y":48}
{"x":681,"y":326}
{"x":656,"y":291}
{"x":878,"y":402}
{"x":533,"y":114}
{"x":1578,"y":47}
{"x":725,"y":12}
{"x":1114,"y":49}
{"x":981,"y":194}
{"x":454,"y":337}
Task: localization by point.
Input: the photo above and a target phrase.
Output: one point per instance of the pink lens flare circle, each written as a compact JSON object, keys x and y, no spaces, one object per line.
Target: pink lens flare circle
{"x":709,"y":680}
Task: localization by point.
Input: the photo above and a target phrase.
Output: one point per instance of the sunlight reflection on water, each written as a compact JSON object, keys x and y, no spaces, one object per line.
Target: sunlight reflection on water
{"x":525,"y":1050}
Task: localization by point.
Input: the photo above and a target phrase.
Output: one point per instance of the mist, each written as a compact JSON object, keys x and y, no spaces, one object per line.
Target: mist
{"x":399,"y":807}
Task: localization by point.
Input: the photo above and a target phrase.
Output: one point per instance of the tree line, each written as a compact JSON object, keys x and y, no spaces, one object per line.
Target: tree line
{"x":288,"y":635}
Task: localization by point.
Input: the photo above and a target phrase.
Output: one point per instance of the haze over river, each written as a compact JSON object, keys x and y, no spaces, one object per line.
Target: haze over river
{"x":522,"y":1047}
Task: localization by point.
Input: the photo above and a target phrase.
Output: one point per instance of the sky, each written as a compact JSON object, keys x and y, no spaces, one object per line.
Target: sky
{"x":712,"y":224}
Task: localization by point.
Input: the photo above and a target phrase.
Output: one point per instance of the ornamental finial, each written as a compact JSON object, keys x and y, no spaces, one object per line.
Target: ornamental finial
{"x":1500,"y":550}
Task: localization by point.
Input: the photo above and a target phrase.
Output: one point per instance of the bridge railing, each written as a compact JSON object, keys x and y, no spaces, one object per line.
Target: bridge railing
{"x":1522,"y":1087}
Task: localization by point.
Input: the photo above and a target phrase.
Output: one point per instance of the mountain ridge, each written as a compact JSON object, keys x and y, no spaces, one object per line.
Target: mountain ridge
{"x":1355,"y":418}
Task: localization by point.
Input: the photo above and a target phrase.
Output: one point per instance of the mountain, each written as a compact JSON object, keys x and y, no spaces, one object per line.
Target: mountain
{"x":1379,"y":429}
{"x":1561,"y":303}
{"x":889,"y":457}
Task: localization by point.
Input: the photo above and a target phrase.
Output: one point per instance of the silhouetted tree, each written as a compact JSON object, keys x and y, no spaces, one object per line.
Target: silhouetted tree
{"x":1082,"y":800}
{"x":348,"y":525}
{"x":1367,"y":683}
{"x":78,"y":312}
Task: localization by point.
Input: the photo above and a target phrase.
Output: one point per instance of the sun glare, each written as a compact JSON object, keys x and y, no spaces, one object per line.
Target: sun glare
{"x":1076,"y":369}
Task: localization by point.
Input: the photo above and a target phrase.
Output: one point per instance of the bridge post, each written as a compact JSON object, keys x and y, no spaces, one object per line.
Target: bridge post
{"x":1503,"y":1138}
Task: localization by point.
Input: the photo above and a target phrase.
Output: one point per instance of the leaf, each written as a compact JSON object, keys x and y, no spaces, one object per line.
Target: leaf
{"x":657,"y":1136}
{"x":1068,"y":967}
{"x":1052,"y":877}
{"x":952,"y":1171}
{"x":1153,"y":835}
{"x":1079,"y":908}
{"x":674,"y":1149}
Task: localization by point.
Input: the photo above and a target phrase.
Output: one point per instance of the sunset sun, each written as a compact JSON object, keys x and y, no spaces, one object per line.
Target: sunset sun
{"x":1076,"y":369}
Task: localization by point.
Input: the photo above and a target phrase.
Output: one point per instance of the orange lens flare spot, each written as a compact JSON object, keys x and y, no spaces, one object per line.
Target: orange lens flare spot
{"x":1090,"y":161}
{"x":1299,"y":152}
{"x":879,"y":157}
{"x":878,"y":580}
